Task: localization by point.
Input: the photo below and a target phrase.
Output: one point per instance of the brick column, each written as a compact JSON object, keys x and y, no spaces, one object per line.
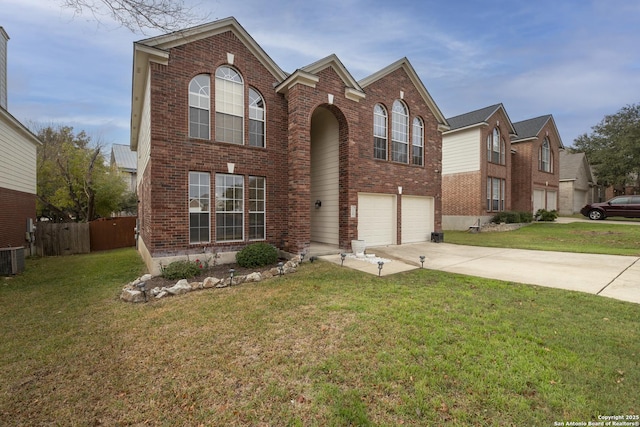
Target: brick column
{"x":299,"y":165}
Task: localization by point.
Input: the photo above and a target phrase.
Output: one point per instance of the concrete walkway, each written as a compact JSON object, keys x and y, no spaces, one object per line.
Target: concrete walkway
{"x":607,"y":275}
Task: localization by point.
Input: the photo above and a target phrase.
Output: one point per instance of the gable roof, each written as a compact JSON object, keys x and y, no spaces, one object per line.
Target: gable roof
{"x":478,"y":117}
{"x":123,"y":157}
{"x":9,"y":120}
{"x":404,"y":64}
{"x":308,"y":75}
{"x":531,"y":128}
{"x":156,"y":49}
{"x":570,"y":165}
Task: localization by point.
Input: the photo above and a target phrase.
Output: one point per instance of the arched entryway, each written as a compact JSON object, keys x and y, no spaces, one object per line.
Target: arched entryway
{"x":325,"y":177}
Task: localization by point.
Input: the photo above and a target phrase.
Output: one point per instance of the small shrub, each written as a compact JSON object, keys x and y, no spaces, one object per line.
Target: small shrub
{"x":181,"y":269}
{"x":526,"y":217}
{"x":257,"y":255}
{"x":545,"y":215}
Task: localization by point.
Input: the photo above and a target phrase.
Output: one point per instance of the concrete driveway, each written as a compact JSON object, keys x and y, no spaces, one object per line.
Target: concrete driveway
{"x":607,"y":275}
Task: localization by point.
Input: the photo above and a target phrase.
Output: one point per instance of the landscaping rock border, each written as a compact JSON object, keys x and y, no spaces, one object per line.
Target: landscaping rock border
{"x":135,"y":292}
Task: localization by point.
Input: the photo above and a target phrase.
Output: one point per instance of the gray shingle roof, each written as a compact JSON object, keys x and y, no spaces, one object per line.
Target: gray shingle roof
{"x":530,"y":128}
{"x":473,"y":117}
{"x":570,"y":164}
{"x":123,"y":157}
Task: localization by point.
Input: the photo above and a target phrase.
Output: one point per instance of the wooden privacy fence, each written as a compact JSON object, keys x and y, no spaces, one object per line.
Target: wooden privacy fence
{"x":113,"y":233}
{"x":54,"y":239}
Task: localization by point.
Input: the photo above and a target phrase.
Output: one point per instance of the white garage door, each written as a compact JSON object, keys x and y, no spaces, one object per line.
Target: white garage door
{"x":377,"y":219}
{"x":417,"y":219}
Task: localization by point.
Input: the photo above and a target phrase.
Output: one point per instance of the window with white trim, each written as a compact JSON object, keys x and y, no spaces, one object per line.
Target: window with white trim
{"x":495,"y":147}
{"x":229,"y":98}
{"x":399,"y":133}
{"x":229,"y":208}
{"x":199,"y":106}
{"x":545,"y":157}
{"x":199,"y":207}
{"x":417,"y":149}
{"x":256,"y":119}
{"x":495,"y":194}
{"x":257,"y":210}
{"x":379,"y":132}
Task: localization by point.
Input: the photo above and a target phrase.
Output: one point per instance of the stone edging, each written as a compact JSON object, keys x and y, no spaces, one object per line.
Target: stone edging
{"x":132,"y":291}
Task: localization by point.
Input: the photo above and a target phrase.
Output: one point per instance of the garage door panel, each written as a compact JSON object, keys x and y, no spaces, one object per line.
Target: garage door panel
{"x":377,"y":219}
{"x":417,"y":219}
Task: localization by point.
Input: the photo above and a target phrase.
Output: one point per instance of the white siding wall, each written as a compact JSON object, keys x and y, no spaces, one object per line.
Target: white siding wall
{"x":144,"y":136}
{"x":461,"y":151}
{"x":325,"y":177}
{"x":17,"y":157}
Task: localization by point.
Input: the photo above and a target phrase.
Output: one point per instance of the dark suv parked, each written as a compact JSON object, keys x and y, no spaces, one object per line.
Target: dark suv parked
{"x":626,"y":206}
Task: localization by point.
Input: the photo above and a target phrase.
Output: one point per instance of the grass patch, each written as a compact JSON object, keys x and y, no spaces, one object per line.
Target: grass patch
{"x":582,"y":237}
{"x":325,"y":346}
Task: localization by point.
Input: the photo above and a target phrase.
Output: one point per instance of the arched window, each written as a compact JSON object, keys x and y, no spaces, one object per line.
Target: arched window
{"x":545,"y":157}
{"x":399,"y":133}
{"x":495,"y":147}
{"x":256,"y":119}
{"x":379,"y":132}
{"x":199,"y":105}
{"x":229,"y":105}
{"x":417,"y":149}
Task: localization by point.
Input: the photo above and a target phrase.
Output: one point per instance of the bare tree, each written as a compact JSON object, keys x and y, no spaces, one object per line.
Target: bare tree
{"x":139,"y":15}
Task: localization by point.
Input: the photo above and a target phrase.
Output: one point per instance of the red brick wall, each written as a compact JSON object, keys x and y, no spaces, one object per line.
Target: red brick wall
{"x":17,"y":207}
{"x":526,"y":175}
{"x":164,"y":204}
{"x":460,"y":194}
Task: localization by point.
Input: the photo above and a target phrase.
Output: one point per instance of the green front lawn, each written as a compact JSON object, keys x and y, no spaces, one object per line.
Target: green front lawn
{"x":584,"y":237}
{"x":326,"y":346}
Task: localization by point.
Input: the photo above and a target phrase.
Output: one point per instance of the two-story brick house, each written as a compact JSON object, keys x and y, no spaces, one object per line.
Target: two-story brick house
{"x":490,"y":164}
{"x":536,"y":178}
{"x":476,"y":167}
{"x":233,"y":150}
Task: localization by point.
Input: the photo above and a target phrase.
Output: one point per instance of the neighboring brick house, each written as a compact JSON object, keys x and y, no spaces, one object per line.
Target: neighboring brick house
{"x":536,"y":163}
{"x":577,"y":183}
{"x":476,"y":167}
{"x":232,"y":150}
{"x":18,"y":177}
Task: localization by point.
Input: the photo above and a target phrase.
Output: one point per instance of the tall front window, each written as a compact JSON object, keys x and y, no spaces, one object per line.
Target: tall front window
{"x":229,"y":105}
{"x":229,"y":208}
{"x":495,"y":147}
{"x":199,"y":211}
{"x":496,"y":188}
{"x":399,"y":133}
{"x":379,"y":132}
{"x":256,"y":119}
{"x":417,"y":149}
{"x":545,"y":159}
{"x":257,"y":209}
{"x":199,"y":105}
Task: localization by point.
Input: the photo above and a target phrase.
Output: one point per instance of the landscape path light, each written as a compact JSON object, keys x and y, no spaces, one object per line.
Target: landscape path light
{"x":281,"y":268}
{"x":232,"y":272}
{"x":380,"y":264}
{"x":342,"y":257}
{"x":422,"y":257}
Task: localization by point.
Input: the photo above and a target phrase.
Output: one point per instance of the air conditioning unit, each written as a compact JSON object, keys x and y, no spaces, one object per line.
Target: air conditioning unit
{"x":11,"y":261}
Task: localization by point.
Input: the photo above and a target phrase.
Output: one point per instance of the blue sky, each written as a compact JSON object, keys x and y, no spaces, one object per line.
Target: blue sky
{"x":576,"y":59}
